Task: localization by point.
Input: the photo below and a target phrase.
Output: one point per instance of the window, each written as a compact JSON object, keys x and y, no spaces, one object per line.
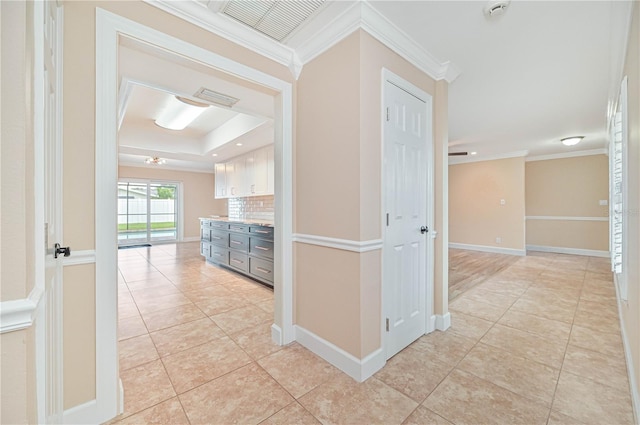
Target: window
{"x":147,"y":212}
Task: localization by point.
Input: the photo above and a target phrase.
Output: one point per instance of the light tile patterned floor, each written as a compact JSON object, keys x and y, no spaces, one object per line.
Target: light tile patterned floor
{"x":536,"y":342}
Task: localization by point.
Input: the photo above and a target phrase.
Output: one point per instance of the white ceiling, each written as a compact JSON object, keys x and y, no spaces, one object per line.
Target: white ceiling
{"x":518,"y":83}
{"x":150,"y":77}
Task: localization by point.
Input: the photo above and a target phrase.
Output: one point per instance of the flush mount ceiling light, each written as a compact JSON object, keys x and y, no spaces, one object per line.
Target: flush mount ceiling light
{"x":570,"y":141}
{"x":474,"y":153}
{"x":179,"y":112}
{"x":154,"y":160}
{"x":496,"y":8}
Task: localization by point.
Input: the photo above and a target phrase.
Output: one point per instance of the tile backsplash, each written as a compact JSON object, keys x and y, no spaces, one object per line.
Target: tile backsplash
{"x":251,"y":208}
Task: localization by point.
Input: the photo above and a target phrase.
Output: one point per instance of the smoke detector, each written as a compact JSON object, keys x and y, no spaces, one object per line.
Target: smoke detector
{"x":496,"y":8}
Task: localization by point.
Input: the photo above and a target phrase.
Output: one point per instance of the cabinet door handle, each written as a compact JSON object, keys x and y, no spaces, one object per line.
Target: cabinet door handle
{"x":237,"y":242}
{"x":216,"y":238}
{"x":261,"y":248}
{"x":237,"y":261}
{"x":264,"y":232}
{"x":253,"y":188}
{"x":260,"y":269}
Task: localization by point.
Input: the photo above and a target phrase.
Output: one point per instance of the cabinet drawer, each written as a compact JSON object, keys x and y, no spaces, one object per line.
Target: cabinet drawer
{"x":261,"y":248}
{"x":205,"y":249}
{"x":219,"y":255}
{"x":239,"y":242}
{"x":239,"y":261}
{"x":240,"y":228}
{"x":261,"y":268}
{"x":218,"y":225}
{"x":218,"y":237}
{"x":204,"y":234}
{"x":262,"y":231}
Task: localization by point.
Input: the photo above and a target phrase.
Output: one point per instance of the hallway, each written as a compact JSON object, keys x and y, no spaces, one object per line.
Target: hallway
{"x":536,"y":342}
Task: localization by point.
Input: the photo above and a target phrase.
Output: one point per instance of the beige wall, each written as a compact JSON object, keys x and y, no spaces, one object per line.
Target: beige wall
{"x":198,"y":193}
{"x":476,"y":216}
{"x":568,"y":187}
{"x":17,"y":378}
{"x":631,"y":310}
{"x":338,"y":192}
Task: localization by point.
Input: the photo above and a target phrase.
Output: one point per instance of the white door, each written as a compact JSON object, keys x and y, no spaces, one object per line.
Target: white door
{"x":48,"y":187}
{"x":404,"y":258}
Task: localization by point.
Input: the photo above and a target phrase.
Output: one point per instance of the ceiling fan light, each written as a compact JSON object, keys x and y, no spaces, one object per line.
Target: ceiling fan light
{"x":571,"y":141}
{"x":179,"y":112}
{"x":154,"y":160}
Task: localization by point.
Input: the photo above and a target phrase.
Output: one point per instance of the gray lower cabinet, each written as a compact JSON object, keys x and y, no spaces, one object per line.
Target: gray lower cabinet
{"x":245,"y":248}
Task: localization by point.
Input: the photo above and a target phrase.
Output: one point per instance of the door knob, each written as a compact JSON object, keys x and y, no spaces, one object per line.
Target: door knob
{"x":57,"y":250}
{"x":424,"y":229}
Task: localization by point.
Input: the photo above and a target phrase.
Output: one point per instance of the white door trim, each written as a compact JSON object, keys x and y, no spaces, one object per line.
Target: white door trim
{"x":109,"y":27}
{"x":398,"y":81}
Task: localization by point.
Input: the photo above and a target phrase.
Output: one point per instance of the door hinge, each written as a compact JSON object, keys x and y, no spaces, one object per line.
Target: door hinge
{"x":387,"y":324}
{"x":388,"y":117}
{"x":387,"y":219}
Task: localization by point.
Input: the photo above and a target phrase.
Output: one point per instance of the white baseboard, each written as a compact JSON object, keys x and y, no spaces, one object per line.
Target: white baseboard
{"x":86,"y":413}
{"x":571,"y":251}
{"x":358,"y":369}
{"x":121,"y":398}
{"x":633,"y":385}
{"x":276,"y":334}
{"x":443,"y":321}
{"x":191,"y":239}
{"x":484,"y":248}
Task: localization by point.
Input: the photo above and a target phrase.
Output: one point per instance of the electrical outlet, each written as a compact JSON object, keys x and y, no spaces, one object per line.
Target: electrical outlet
{"x":603,"y":202}
{"x":503,"y":202}
{"x":498,"y":240}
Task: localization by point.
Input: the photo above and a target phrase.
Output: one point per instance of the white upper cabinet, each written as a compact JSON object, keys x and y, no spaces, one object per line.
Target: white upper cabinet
{"x":250,"y":174}
{"x":257,"y":172}
{"x":221,"y":180}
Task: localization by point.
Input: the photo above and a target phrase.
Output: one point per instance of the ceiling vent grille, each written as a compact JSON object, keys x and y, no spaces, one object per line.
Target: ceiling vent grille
{"x":215,"y":97}
{"x":274,"y":18}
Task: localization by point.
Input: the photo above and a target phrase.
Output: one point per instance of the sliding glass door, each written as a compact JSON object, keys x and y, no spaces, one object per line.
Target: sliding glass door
{"x":147,"y":212}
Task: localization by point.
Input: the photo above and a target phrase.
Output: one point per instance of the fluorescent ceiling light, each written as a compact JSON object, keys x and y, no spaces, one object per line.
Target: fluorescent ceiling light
{"x":179,"y":112}
{"x":570,"y":141}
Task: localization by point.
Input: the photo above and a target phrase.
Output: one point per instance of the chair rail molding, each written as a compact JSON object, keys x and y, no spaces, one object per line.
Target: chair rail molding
{"x":19,"y":314}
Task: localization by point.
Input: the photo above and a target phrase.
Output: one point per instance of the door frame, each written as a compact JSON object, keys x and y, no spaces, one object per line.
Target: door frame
{"x":389,"y":76}
{"x":109,"y":28}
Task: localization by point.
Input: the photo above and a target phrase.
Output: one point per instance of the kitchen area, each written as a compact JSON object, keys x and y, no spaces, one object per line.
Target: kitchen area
{"x":243,"y":240}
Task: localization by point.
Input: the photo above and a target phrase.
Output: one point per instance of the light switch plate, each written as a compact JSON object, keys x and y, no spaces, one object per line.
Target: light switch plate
{"x":603,"y":202}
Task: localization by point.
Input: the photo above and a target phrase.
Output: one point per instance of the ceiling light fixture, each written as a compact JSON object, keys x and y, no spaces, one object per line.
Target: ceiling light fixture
{"x":154,"y":160}
{"x":214,"y":154}
{"x":238,"y":144}
{"x":179,"y":112}
{"x":573,"y":140}
{"x":474,"y":153}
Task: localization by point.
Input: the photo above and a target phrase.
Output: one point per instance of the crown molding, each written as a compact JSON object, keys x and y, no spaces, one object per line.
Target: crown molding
{"x":198,"y":14}
{"x":567,"y":155}
{"x":311,"y":40}
{"x":165,"y":167}
{"x":466,"y":160}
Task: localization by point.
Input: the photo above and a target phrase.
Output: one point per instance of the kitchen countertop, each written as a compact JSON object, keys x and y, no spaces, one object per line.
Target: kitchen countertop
{"x":246,"y":221}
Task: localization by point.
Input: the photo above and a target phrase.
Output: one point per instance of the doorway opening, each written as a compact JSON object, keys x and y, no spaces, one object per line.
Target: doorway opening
{"x":111,"y":31}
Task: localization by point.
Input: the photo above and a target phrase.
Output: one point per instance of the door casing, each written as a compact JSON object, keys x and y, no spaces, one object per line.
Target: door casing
{"x":109,"y":28}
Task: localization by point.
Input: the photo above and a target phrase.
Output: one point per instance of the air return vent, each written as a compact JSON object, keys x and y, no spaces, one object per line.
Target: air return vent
{"x":275,"y":18}
{"x":215,"y":97}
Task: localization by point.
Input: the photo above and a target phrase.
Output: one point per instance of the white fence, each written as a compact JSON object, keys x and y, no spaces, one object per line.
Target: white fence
{"x":162,"y":210}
